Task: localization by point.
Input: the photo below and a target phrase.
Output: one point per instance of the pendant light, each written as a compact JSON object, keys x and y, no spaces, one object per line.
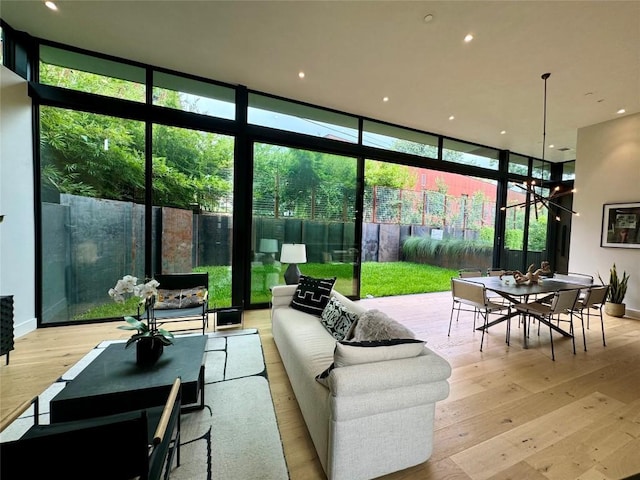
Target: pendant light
{"x":547,"y":202}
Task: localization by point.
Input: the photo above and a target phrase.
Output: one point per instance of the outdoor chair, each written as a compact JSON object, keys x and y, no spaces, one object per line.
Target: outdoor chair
{"x":495,"y":272}
{"x":593,"y":299}
{"x":563,"y":302}
{"x":137,"y":444}
{"x":182,"y":297}
{"x":474,"y":295}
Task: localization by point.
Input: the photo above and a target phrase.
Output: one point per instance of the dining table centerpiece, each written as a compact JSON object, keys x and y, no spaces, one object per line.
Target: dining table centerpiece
{"x":149,"y":339}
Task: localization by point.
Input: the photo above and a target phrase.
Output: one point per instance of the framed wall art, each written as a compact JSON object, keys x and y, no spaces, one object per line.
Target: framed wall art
{"x":620,"y":225}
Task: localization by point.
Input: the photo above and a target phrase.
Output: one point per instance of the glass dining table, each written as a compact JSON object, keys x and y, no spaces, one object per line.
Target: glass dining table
{"x":521,"y":293}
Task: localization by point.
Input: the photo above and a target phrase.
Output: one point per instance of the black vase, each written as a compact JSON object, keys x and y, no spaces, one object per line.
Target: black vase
{"x":148,"y":351}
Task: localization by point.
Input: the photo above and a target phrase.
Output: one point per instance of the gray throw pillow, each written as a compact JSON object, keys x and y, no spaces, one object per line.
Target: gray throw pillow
{"x":377,"y":325}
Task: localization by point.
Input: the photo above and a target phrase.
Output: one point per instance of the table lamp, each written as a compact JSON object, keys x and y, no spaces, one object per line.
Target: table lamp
{"x":268,"y":246}
{"x":293,"y":253}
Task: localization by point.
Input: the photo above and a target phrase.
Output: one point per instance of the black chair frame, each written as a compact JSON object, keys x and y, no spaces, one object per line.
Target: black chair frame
{"x":182,"y":281}
{"x":137,"y":444}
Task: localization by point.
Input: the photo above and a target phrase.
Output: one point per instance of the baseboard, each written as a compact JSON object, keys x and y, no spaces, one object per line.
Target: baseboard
{"x":631,"y":313}
{"x":24,"y":327}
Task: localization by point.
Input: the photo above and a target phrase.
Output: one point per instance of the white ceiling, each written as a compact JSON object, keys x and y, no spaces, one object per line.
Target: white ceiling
{"x":356,"y":52}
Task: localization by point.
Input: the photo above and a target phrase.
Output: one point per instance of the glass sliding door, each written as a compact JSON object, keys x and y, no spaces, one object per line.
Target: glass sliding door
{"x":193,"y":206}
{"x":93,"y":216}
{"x":517,"y":255}
{"x":426,"y":222}
{"x":302,"y":197}
{"x":537,"y":235}
{"x":513,"y":256}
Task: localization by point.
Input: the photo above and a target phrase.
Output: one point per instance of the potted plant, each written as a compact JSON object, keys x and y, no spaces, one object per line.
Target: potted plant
{"x":149,"y":339}
{"x":614,"y":305}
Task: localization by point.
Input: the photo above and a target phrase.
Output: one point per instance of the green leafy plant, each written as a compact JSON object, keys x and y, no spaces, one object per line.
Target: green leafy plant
{"x":416,"y":247}
{"x":146,"y":330}
{"x":617,"y":286}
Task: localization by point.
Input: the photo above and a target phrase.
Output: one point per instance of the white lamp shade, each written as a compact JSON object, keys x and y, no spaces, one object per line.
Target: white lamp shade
{"x":293,"y":253}
{"x":268,"y":245}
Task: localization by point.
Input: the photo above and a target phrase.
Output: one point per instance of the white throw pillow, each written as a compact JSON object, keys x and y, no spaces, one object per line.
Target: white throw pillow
{"x":355,"y":353}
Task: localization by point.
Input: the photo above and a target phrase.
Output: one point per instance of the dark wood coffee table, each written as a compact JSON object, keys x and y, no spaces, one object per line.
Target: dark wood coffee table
{"x":114,"y":383}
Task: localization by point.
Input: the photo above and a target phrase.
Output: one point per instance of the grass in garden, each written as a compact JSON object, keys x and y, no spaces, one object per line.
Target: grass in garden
{"x":378,"y":280}
{"x":111,"y":309}
{"x":403,"y":278}
{"x":387,"y":278}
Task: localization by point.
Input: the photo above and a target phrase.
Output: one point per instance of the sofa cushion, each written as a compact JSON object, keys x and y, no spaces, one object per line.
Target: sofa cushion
{"x":355,"y":353}
{"x":312,"y":294}
{"x":337,"y":319}
{"x":180,"y":298}
{"x":377,"y":325}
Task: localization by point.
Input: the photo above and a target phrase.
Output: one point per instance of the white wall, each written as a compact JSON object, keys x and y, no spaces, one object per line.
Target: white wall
{"x":17,"y":231}
{"x":607,"y":171}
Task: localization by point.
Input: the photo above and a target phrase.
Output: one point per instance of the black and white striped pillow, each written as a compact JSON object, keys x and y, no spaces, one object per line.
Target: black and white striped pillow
{"x":312,"y":294}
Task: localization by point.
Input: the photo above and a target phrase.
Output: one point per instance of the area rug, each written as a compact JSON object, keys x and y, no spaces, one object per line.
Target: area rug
{"x":235,"y":436}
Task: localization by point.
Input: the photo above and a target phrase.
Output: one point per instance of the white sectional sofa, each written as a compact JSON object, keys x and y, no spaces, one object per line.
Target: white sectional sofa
{"x":371,"y":419}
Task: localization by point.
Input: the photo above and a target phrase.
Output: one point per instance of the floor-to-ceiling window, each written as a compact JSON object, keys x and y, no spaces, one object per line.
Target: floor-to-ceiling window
{"x":513,"y":253}
{"x":427,"y":216}
{"x":307,"y":198}
{"x":436,"y":220}
{"x":99,"y":221}
{"x":167,"y":145}
{"x":93,"y":216}
{"x":193,"y":206}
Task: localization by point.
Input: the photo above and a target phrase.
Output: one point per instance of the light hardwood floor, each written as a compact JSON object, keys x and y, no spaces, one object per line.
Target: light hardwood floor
{"x":512,"y":413}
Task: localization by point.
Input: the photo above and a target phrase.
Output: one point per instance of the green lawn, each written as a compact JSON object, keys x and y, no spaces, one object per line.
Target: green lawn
{"x":403,"y":278}
{"x":378,"y":280}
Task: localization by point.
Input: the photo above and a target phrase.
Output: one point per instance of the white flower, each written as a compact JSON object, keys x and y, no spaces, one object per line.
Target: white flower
{"x":126,"y":286}
{"x":146,"y":290}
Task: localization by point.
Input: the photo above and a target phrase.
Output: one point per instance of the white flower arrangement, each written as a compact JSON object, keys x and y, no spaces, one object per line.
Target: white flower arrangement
{"x":128,"y":286}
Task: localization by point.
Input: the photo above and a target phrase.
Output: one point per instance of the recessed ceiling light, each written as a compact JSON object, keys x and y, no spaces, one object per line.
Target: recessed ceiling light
{"x":622,"y":110}
{"x":551,"y":146}
{"x":51,"y":6}
{"x":468,"y":37}
{"x":428,"y":18}
{"x":385,"y":99}
{"x":301,"y":74}
{"x":503,"y":132}
{"x":451,"y":117}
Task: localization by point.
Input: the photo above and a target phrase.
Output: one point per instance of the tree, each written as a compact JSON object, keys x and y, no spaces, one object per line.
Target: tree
{"x":414,"y":148}
{"x":538,"y":232}
{"x":384,"y":174}
{"x":101,"y":156}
